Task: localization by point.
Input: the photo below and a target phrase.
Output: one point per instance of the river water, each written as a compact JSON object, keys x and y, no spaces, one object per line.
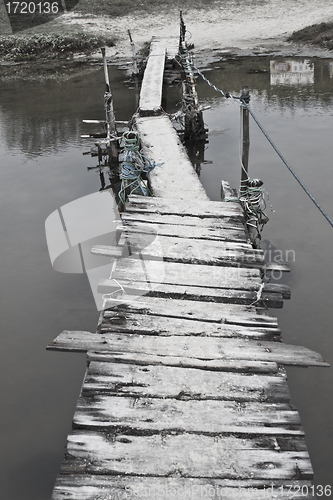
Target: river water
{"x":43,"y":168}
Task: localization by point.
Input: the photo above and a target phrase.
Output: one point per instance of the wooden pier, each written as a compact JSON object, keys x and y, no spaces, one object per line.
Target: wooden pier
{"x":185,"y":394}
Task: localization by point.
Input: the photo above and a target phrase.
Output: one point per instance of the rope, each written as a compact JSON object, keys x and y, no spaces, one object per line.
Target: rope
{"x":244,"y":103}
{"x":225,"y":94}
{"x":134,"y":167}
{"x":259,"y":298}
{"x":290,"y":168}
{"x":254,"y":204}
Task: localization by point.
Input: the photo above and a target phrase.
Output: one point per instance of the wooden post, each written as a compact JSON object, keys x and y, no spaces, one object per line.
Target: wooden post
{"x":135,"y":70}
{"x":182,"y":30}
{"x":134,"y":58}
{"x":194,"y":124}
{"x":246,"y":138}
{"x":110,"y":117}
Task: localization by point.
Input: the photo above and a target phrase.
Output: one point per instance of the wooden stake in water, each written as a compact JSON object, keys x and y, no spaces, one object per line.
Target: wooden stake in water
{"x":245,"y":138}
{"x":111,"y":131}
{"x":134,"y":58}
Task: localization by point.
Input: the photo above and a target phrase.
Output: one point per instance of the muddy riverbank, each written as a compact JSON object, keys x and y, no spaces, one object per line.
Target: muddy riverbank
{"x":239,"y":28}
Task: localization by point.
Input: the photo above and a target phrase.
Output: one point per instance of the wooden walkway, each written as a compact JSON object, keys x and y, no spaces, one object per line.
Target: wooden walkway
{"x":185,"y":394}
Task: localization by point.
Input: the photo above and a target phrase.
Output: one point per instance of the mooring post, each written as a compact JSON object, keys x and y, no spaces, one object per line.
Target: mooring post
{"x":245,"y":97}
{"x":111,"y":131}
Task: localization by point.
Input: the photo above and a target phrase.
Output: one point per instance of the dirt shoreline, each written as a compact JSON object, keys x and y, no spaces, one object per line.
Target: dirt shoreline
{"x":242,"y":29}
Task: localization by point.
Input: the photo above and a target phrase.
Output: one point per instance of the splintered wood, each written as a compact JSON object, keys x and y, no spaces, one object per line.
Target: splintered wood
{"x":185,"y":394}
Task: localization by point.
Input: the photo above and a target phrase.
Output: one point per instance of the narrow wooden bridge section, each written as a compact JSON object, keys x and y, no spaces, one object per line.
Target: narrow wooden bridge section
{"x":185,"y":394}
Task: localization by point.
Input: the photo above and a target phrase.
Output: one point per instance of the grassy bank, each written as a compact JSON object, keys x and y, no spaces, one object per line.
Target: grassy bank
{"x":35,"y":40}
{"x":320,"y":35}
{"x":49,"y":46}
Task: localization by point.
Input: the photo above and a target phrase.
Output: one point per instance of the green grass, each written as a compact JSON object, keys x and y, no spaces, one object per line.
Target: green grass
{"x":317,"y":34}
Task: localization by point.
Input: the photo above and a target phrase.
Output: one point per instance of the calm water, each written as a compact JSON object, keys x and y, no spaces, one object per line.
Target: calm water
{"x":42,"y":168}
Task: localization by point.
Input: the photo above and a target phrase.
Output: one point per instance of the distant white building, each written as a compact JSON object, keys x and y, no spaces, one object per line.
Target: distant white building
{"x":292,"y":72}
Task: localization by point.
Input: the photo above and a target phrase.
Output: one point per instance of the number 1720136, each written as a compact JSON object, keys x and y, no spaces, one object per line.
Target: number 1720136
{"x":32,"y":7}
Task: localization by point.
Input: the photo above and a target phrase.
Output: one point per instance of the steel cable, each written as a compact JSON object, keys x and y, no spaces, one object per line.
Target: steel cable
{"x":226,"y":94}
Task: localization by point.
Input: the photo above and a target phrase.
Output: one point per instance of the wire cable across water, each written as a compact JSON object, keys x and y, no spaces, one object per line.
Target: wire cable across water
{"x":235,"y":99}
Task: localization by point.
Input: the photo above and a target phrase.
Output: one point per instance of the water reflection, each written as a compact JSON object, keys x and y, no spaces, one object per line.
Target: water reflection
{"x":39,"y":303}
{"x":292,"y":72}
{"x":284,"y":85}
{"x":42,"y":117}
{"x":85,"y":236}
{"x":330,"y":66}
{"x":230,"y":76}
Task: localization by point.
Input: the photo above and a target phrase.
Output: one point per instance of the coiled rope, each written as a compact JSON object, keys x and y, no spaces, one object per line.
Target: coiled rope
{"x":227,"y":95}
{"x":134,"y":167}
{"x":254,"y":204}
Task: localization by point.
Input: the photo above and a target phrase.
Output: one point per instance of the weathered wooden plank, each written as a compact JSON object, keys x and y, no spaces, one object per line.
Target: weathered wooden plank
{"x":239,"y":365}
{"x":152,"y":245}
{"x":215,"y":348}
{"x":188,"y":227}
{"x":178,"y":280}
{"x":171,"y":43}
{"x":138,"y":235}
{"x":276,"y":266}
{"x":174,"y":273}
{"x":192,"y":347}
{"x":187,"y":455}
{"x":158,"y":381}
{"x":152,"y":83}
{"x":189,"y":251}
{"x":190,"y":207}
{"x":229,"y":295}
{"x":272,"y":293}
{"x":144,"y":324}
{"x":281,"y":288}
{"x":190,"y":232}
{"x":93,"y":487}
{"x":234,"y":314}
{"x":161,"y":144}
{"x":151,"y":415}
